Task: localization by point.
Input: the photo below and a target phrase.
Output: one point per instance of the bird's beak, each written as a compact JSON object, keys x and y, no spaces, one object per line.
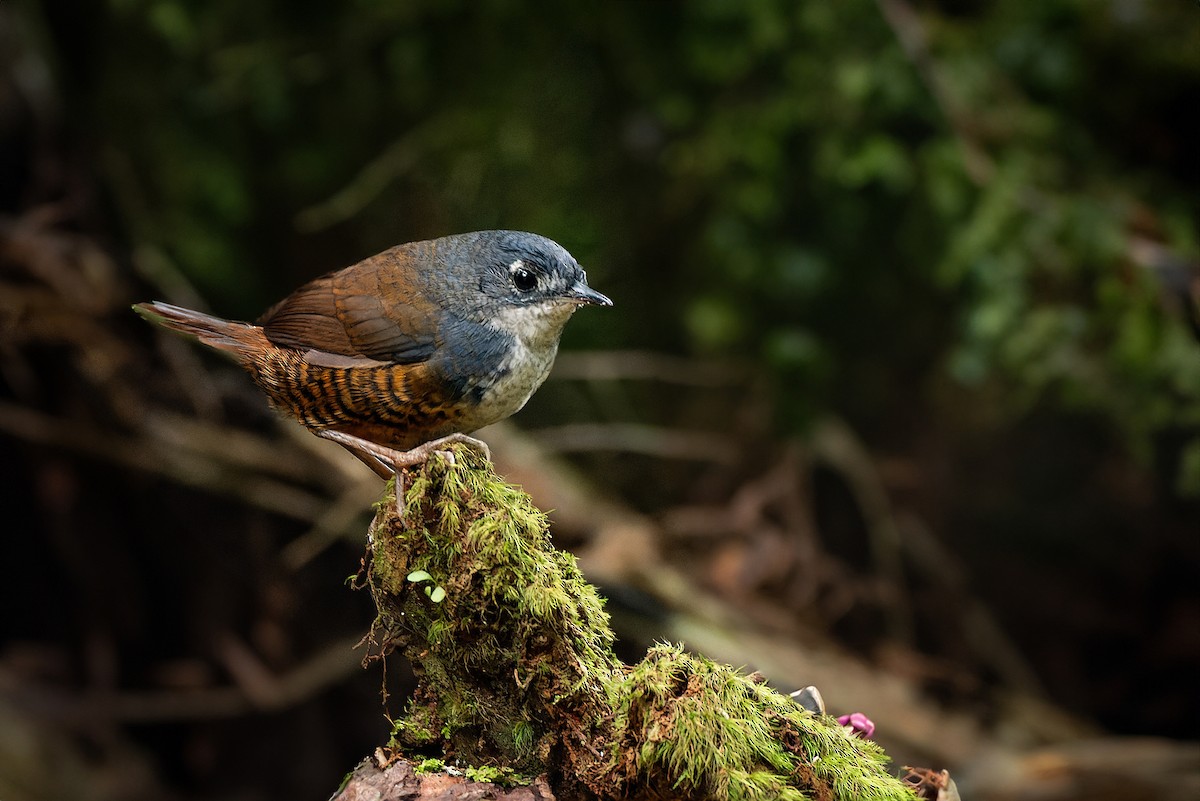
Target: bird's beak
{"x":582,"y":293}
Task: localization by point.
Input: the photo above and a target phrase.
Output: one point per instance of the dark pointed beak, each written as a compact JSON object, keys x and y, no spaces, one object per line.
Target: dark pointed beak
{"x":582,"y":293}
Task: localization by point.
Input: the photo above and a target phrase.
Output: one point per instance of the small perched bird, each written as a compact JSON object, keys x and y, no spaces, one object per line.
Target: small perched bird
{"x":411,"y":349}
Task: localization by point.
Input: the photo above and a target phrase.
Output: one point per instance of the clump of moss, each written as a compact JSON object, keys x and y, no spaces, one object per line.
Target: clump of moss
{"x":703,"y":730}
{"x":513,"y":656}
{"x":514,"y":660}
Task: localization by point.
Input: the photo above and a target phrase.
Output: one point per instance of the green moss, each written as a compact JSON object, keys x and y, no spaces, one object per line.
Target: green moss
{"x":518,"y":642}
{"x":429,"y":766}
{"x":522,"y":736}
{"x":496,"y":775}
{"x":345,"y":780}
{"x":515,"y":667}
{"x":714,"y":733}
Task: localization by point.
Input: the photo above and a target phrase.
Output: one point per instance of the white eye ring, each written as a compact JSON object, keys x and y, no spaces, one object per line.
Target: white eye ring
{"x":523,"y":278}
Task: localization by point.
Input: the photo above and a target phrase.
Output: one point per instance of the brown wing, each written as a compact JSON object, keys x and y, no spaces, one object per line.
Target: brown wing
{"x":344,"y":313}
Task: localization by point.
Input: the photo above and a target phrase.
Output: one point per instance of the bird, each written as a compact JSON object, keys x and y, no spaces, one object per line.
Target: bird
{"x":412,"y":349}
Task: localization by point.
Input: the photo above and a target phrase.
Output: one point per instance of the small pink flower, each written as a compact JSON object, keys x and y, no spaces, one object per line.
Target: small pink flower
{"x":860,"y":723}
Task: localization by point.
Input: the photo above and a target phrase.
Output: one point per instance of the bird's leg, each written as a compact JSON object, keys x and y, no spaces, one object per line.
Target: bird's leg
{"x":378,"y":467}
{"x":438,"y":445}
{"x":387,"y":462}
{"x":399,"y":459}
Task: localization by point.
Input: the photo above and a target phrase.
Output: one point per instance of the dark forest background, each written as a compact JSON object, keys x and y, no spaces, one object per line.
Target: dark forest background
{"x":905,"y":351}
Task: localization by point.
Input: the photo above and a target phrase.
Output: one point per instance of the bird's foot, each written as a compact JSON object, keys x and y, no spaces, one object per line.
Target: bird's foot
{"x":422,"y":452}
{"x":388,"y":462}
{"x":396,"y":460}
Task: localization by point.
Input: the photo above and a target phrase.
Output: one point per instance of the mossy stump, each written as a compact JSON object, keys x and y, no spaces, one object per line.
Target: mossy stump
{"x":513,"y":656}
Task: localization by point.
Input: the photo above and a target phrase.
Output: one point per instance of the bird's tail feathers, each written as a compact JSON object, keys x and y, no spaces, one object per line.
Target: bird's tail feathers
{"x":239,"y":339}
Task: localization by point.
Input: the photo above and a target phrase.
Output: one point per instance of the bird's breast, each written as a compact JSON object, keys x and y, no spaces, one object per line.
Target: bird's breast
{"x":516,"y":378}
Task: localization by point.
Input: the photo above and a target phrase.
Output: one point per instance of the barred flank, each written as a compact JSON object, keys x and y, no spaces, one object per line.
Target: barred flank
{"x":330,"y":397}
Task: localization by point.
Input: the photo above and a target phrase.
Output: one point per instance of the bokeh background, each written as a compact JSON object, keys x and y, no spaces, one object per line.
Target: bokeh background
{"x":904,"y":363}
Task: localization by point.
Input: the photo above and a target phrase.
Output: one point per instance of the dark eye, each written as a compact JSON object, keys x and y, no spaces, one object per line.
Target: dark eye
{"x":523,"y":278}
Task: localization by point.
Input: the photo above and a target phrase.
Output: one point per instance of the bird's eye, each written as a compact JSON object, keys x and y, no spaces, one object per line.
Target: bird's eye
{"x":523,"y":278}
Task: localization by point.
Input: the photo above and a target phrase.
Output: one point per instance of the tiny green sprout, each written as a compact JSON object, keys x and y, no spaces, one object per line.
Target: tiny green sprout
{"x":433,"y":593}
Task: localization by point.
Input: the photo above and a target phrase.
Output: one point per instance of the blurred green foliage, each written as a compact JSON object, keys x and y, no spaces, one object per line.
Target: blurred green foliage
{"x":893,"y":209}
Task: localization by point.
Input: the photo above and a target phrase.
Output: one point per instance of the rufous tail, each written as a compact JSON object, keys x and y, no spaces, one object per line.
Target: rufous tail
{"x":240,"y":339}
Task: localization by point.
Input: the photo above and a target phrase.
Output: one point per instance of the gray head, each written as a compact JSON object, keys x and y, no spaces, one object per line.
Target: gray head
{"x":523,"y":284}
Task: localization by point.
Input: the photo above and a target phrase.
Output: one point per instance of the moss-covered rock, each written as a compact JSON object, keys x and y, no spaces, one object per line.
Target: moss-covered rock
{"x":692,"y":728}
{"x":513,"y":656}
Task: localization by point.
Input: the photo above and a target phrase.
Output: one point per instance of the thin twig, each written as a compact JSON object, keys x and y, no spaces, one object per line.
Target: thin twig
{"x":152,"y":457}
{"x":836,"y":445}
{"x":638,"y":438}
{"x":327,"y":667}
{"x":633,"y":365}
{"x":906,"y":25}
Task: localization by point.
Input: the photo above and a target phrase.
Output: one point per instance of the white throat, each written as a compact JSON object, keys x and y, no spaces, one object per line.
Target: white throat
{"x":535,"y":326}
